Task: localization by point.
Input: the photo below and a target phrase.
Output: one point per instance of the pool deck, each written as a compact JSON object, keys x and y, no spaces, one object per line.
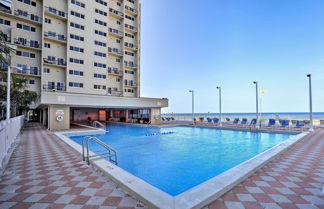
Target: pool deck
{"x":45,"y":173}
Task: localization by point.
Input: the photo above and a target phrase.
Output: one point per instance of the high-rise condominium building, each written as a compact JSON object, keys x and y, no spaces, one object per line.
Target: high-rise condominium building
{"x":82,"y":57}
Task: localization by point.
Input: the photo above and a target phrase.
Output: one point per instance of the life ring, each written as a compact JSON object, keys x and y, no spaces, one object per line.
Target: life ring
{"x":59,"y":118}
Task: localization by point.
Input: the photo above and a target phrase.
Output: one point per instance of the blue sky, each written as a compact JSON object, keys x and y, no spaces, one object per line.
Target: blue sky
{"x":190,"y":44}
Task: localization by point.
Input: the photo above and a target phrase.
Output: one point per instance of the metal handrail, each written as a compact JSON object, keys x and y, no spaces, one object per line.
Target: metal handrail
{"x":95,"y":123}
{"x":111,"y":154}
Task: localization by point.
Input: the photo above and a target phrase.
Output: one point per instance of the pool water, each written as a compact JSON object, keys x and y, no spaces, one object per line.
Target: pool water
{"x":175,"y":159}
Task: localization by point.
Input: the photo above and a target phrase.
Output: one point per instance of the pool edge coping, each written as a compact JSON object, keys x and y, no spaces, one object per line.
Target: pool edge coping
{"x":196,"y":197}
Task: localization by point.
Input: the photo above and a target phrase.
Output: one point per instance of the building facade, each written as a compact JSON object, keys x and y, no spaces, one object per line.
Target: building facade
{"x":82,"y":57}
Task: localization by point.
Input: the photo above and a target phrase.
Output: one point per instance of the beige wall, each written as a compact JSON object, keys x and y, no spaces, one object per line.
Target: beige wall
{"x":155,"y":116}
{"x":54,"y":124}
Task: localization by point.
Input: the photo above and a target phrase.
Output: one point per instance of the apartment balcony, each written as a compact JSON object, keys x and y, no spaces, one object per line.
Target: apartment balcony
{"x":56,"y":13}
{"x":131,"y":10}
{"x":28,"y":44}
{"x":25,"y":71}
{"x":54,"y":88}
{"x":115,"y":13}
{"x":55,"y":63}
{"x":116,"y":32}
{"x":131,"y":28}
{"x":115,"y":72}
{"x":21,"y":15}
{"x":131,"y":46}
{"x":115,"y":51}
{"x":30,"y":17}
{"x":115,"y":93}
{"x":55,"y":37}
{"x":130,"y":84}
{"x":130,"y":65}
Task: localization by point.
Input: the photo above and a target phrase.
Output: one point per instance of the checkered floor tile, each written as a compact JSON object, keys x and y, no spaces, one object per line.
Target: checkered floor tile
{"x":45,"y":173}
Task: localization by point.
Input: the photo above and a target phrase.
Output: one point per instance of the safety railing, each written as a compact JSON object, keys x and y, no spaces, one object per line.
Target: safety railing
{"x":110,"y":153}
{"x":97,"y":123}
{"x":9,"y":130}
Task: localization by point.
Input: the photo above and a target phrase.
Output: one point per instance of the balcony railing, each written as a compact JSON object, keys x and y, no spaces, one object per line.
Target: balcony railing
{"x":115,"y":12}
{"x":115,"y":71}
{"x":28,"y":43}
{"x":116,"y":32}
{"x":131,"y":46}
{"x":130,"y":65}
{"x":32,"y":17}
{"x":60,"y":62}
{"x":130,"y":27}
{"x":54,"y":87}
{"x":130,"y":9}
{"x":115,"y":93}
{"x":130,"y":84}
{"x":25,"y":71}
{"x":5,"y":10}
{"x":115,"y":51}
{"x":53,"y":35}
{"x":56,"y":12}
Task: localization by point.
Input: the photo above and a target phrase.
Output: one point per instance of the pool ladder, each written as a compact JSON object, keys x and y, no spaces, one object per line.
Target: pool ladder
{"x":111,"y":154}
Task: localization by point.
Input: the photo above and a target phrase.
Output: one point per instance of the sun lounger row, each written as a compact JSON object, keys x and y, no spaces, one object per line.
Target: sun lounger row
{"x":272,"y":123}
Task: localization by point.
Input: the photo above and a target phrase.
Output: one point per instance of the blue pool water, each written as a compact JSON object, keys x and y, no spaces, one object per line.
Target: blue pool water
{"x":183,"y":157}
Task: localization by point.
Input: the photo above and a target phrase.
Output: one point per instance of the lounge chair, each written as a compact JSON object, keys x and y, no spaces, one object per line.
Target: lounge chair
{"x":162,"y":118}
{"x":236,"y":121}
{"x":209,"y":121}
{"x":300,"y":124}
{"x":253,"y":122}
{"x":271,"y":123}
{"x":244,"y":122}
{"x":284,"y":124}
{"x":201,"y":120}
{"x":168,"y":119}
{"x":216,"y":121}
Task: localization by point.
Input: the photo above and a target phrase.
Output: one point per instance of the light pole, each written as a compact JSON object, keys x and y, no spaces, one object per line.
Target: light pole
{"x":257,"y":103}
{"x":193,"y":105}
{"x":310,"y":103}
{"x":220,"y":104}
{"x":8,"y":95}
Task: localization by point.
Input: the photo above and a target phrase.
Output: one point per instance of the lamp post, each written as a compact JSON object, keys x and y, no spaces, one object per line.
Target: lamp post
{"x":257,"y":103}
{"x":8,"y":95}
{"x":193,"y":105}
{"x":220,"y":104}
{"x":310,"y":103}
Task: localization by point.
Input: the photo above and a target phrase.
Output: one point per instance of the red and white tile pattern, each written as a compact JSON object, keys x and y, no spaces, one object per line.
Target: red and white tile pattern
{"x":45,"y":173}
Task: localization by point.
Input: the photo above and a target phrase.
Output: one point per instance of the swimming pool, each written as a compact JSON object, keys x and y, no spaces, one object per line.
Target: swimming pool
{"x":175,"y":159}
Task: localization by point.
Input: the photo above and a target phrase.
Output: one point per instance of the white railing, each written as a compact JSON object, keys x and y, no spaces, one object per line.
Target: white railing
{"x":9,"y":130}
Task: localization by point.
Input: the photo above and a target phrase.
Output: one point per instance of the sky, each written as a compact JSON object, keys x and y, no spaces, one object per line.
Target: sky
{"x":198,"y":45}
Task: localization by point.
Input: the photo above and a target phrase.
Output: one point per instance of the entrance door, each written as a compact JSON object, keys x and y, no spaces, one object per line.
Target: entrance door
{"x":102,"y":115}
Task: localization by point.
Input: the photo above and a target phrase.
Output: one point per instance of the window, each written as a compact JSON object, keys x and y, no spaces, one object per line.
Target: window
{"x":131,"y":1}
{"x":130,"y":53}
{"x":25,"y":54}
{"x":32,"y":3}
{"x":101,"y":65}
{"x":76,"y":49}
{"x":47,"y":20}
{"x":130,"y":18}
{"x":100,"y":22}
{"x":77,"y":14}
{"x":4,"y":22}
{"x":31,"y":81}
{"x":78,"y":3}
{"x":46,"y":70}
{"x":117,"y":60}
{"x":78,"y":26}
{"x":101,"y":12}
{"x":75,"y":72}
{"x":76,"y":37}
{"x":77,"y":85}
{"x":99,"y":43}
{"x":99,"y":86}
{"x":101,"y":2}
{"x":76,"y":61}
{"x":129,"y":35}
{"x":98,"y":32}
{"x":118,"y":41}
{"x":118,"y":4}
{"x":100,"y":54}
{"x":26,"y":27}
{"x":118,"y":22}
{"x":47,"y":45}
{"x":118,"y":80}
{"x":129,"y":72}
{"x":96,"y":75}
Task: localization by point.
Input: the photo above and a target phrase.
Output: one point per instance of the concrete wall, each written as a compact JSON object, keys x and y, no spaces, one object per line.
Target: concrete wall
{"x":56,"y":110}
{"x":155,"y":116}
{"x":83,"y":114}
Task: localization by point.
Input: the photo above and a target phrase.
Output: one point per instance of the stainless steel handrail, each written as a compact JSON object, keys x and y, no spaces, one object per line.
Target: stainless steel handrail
{"x":111,"y":154}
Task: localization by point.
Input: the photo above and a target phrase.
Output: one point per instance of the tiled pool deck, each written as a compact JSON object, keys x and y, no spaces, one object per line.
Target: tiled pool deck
{"x":45,"y":173}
